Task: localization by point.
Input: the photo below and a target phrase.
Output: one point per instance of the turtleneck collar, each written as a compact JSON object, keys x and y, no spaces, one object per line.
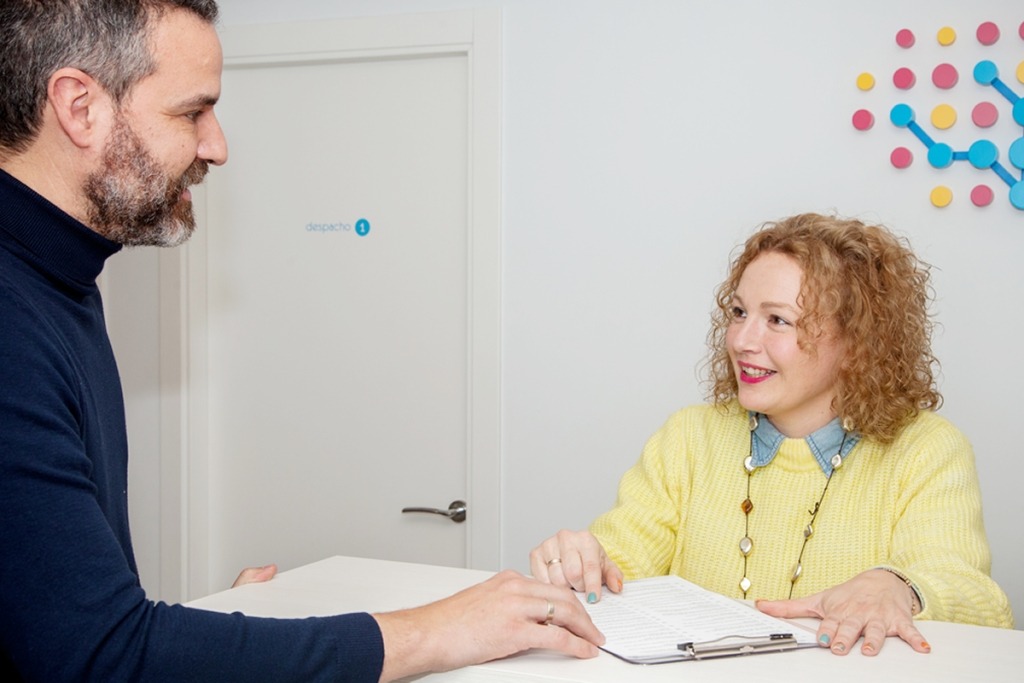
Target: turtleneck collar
{"x":56,"y":241}
{"x":824,"y":443}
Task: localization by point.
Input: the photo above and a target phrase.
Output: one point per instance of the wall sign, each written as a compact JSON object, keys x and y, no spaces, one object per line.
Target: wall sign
{"x":1006,"y":178}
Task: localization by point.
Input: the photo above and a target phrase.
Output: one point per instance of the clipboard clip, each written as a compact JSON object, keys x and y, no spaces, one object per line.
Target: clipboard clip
{"x":732,"y":646}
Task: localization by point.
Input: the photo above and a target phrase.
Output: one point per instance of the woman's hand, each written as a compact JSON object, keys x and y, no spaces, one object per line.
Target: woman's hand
{"x":577,"y":560}
{"x":255,"y":575}
{"x":874,"y":604}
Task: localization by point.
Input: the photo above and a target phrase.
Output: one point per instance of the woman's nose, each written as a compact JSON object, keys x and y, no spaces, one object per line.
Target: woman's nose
{"x":745,"y":335}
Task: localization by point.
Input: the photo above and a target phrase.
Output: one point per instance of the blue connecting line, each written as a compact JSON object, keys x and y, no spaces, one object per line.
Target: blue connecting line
{"x":917,"y":130}
{"x":1005,"y":175}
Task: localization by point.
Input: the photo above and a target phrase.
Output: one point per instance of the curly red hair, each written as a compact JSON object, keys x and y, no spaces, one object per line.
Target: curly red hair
{"x":868,"y":286}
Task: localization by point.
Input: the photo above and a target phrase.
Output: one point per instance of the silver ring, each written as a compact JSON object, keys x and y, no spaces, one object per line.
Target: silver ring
{"x":551,"y":613}
{"x":554,"y":560}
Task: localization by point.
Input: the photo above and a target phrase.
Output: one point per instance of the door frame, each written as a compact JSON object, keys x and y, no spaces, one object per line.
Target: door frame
{"x":184,"y":411}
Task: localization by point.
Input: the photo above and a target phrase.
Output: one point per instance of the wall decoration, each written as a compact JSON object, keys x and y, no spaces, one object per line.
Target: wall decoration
{"x":983,"y":154}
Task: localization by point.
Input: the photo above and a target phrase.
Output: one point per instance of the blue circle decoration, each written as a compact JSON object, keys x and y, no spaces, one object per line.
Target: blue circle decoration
{"x":1017,"y":195}
{"x":362,"y":227}
{"x":940,"y":155}
{"x":1018,"y":111}
{"x":983,"y":154}
{"x":986,"y":72}
{"x":1017,"y":153}
{"x":901,"y":115}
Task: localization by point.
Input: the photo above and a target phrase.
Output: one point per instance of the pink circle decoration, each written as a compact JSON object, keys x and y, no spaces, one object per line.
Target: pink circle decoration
{"x":905,"y":37}
{"x":982,"y":195}
{"x":945,"y":76}
{"x":1021,"y":30}
{"x":988,"y":33}
{"x":985,"y":115}
{"x":901,"y":157}
{"x":863,"y":119}
{"x":904,"y":78}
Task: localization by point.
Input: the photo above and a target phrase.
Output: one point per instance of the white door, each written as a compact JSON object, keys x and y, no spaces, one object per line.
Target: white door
{"x":341,"y":299}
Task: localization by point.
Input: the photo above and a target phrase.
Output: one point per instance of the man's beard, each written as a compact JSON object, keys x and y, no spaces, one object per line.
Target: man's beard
{"x":134,"y":202}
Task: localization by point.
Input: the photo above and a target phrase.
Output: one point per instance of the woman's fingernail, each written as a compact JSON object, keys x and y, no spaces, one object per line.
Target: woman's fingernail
{"x":839,"y":647}
{"x":591,"y":598}
{"x":824,"y":639}
{"x":925,"y":645}
{"x":869,"y":648}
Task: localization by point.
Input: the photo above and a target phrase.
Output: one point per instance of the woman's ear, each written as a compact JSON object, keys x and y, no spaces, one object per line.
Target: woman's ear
{"x":80,"y":104}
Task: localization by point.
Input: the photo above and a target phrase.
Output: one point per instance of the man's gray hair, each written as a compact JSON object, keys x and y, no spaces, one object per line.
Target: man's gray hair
{"x":107,"y":39}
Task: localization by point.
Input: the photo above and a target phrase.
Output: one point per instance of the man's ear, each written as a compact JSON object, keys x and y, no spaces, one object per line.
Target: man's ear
{"x":80,"y":105}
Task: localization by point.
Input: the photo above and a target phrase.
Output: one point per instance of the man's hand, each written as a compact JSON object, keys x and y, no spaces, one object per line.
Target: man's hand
{"x":506,"y":614}
{"x":255,"y":575}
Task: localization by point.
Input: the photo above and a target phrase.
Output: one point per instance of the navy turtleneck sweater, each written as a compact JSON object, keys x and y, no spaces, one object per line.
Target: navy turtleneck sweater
{"x":71,"y":607}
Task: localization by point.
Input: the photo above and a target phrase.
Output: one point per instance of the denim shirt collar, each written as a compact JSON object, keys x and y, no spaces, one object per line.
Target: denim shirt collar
{"x":824,"y":443}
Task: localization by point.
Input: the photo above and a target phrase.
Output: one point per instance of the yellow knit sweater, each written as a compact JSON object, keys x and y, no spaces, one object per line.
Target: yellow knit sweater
{"x":913,"y":505}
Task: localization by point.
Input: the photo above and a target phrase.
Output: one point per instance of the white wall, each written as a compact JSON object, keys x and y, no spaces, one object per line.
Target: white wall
{"x":643,"y":140}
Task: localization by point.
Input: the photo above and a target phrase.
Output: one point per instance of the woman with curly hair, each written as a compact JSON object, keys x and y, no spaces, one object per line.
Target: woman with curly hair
{"x":818,"y":480}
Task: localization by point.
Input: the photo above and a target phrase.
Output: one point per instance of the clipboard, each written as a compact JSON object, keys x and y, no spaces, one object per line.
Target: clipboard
{"x":735,"y":646}
{"x":729,"y":646}
{"x":666,"y":619}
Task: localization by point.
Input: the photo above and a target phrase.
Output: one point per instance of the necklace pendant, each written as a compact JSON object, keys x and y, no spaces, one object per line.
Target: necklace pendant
{"x":744,"y":585}
{"x":748,"y":464}
{"x":797,"y":571}
{"x":809,"y":531}
{"x":747,"y":506}
{"x":746,"y":545}
{"x":837,"y":461}
{"x":752,"y":422}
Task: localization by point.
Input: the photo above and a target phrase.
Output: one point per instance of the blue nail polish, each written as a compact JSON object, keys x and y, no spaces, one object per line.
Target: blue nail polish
{"x":824,"y":639}
{"x":592,"y":598}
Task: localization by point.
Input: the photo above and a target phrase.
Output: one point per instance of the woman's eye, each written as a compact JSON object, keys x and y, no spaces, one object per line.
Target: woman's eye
{"x":738,"y":312}
{"x":776,"y":320}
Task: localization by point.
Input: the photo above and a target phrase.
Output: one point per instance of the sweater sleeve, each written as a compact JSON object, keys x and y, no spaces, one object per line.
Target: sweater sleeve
{"x":72,"y":606}
{"x":640,"y":532}
{"x":939,"y":539}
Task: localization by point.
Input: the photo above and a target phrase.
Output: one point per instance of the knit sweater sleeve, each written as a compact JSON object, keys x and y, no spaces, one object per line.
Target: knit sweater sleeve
{"x":641,"y":531}
{"x":71,"y":604}
{"x":939,"y":539}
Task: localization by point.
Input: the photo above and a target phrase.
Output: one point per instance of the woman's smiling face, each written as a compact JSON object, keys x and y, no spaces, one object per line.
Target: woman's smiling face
{"x":793,"y":386}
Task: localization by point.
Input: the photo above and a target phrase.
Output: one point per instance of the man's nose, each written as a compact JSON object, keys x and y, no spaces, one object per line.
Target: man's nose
{"x":213,"y":146}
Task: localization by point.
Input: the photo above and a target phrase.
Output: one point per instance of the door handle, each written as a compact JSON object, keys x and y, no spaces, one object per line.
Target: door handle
{"x":455,"y":512}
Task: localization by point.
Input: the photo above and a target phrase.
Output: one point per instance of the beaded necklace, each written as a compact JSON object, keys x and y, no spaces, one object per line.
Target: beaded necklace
{"x":746,"y":543}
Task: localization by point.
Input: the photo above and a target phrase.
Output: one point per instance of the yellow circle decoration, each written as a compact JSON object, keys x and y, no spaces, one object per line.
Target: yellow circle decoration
{"x":947,"y":36}
{"x":942,"y":196}
{"x":1020,"y":72}
{"x":866,"y":81}
{"x":943,"y":117}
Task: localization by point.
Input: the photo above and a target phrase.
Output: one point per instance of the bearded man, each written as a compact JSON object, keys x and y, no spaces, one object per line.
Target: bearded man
{"x":106,"y":120}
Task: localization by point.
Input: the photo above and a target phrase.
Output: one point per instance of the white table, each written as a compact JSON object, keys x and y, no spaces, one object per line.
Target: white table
{"x":346,"y":584}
